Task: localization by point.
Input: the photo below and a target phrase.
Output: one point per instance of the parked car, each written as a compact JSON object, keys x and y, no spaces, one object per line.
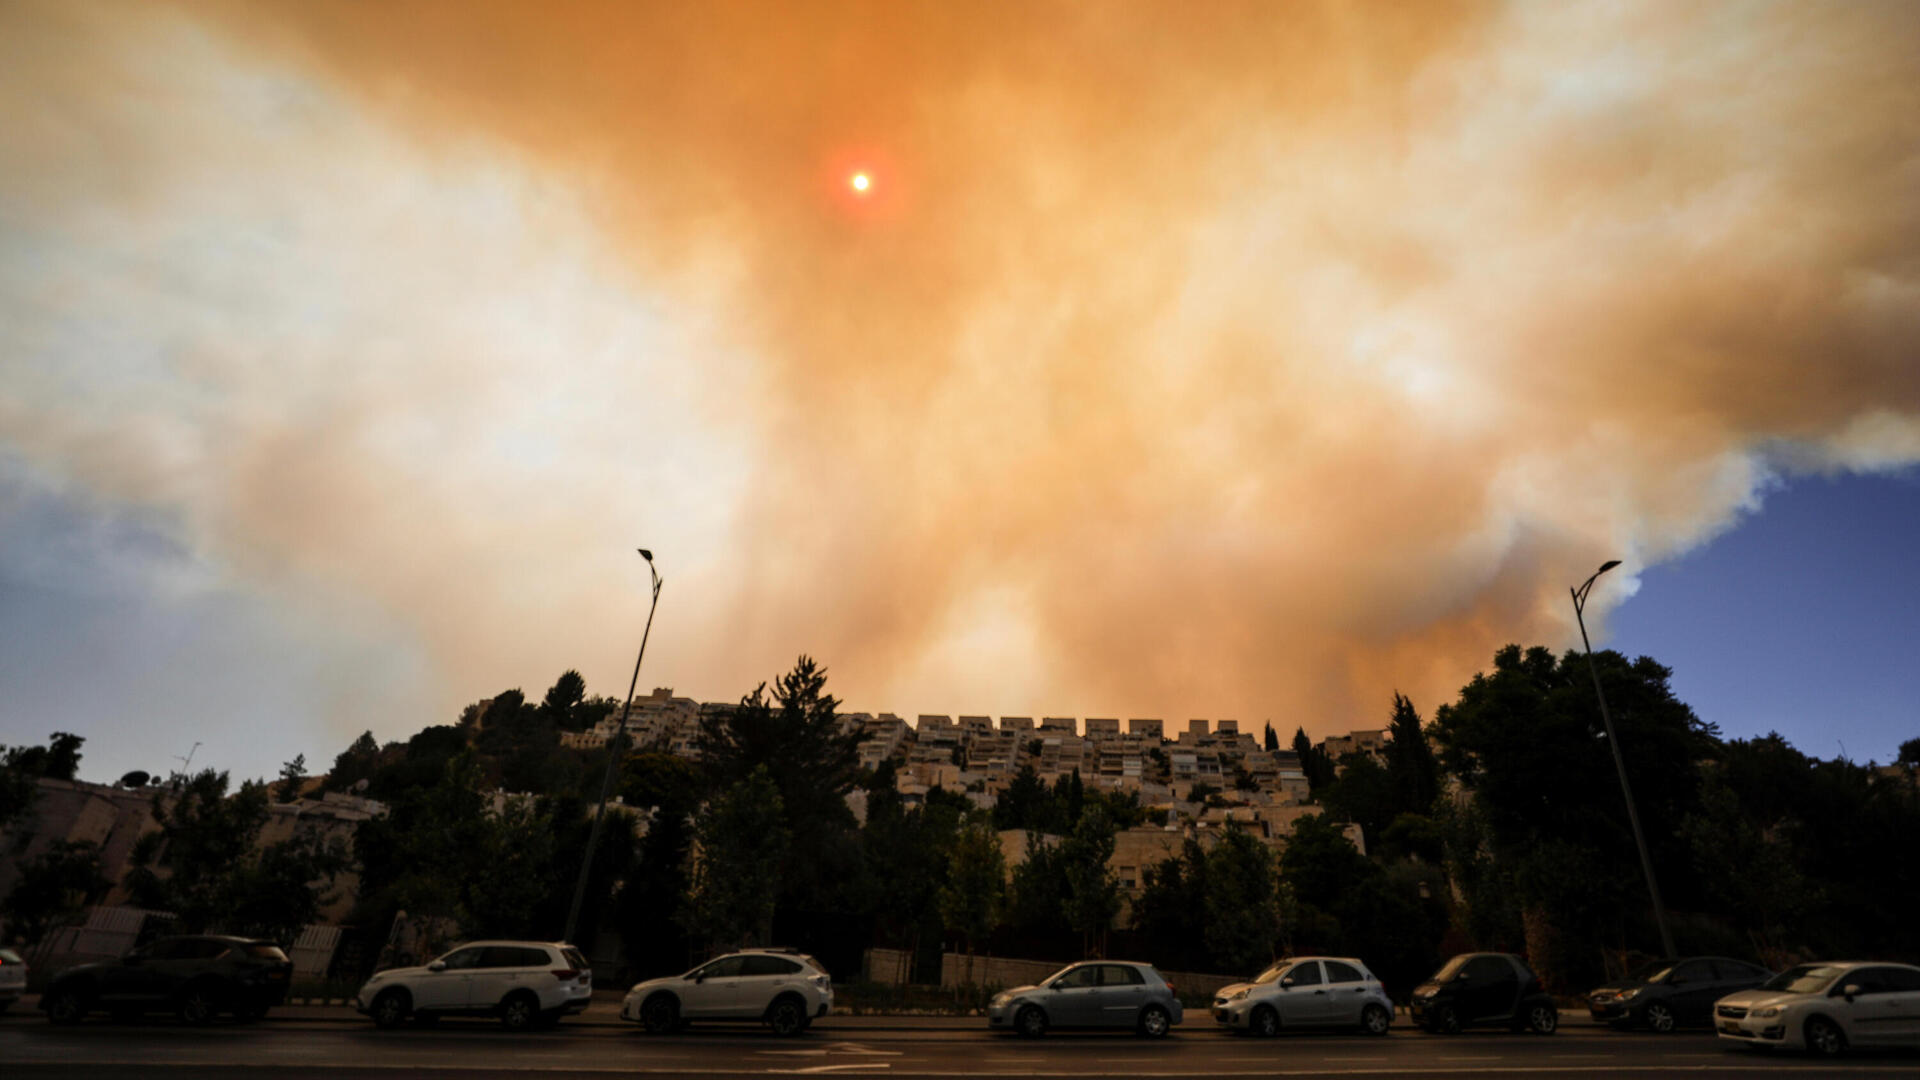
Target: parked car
{"x":13,"y":978}
{"x":198,"y":977}
{"x":1673,"y":993}
{"x":1483,"y":990}
{"x":1826,"y":1008}
{"x":522,"y":982}
{"x":1100,"y":993}
{"x":1304,"y":992}
{"x":785,"y":989}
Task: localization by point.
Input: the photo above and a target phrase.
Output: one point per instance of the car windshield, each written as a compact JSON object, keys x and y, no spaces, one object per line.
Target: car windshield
{"x":1654,"y":972}
{"x":1451,"y":969}
{"x":8,"y":956}
{"x":1056,"y":976}
{"x":1271,"y":973}
{"x":1805,"y":979}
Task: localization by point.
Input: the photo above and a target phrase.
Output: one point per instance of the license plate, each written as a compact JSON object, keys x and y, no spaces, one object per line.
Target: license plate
{"x":1730,"y":1028}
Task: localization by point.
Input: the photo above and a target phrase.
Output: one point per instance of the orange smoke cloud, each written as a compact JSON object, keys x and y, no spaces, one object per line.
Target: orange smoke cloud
{"x":1242,"y":361}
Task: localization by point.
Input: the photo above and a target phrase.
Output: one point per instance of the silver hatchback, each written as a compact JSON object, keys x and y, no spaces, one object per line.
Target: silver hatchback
{"x":1305,"y":992}
{"x":1095,"y":994}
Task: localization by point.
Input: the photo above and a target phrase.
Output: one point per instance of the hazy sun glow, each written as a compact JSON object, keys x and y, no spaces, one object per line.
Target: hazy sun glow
{"x":860,"y":182}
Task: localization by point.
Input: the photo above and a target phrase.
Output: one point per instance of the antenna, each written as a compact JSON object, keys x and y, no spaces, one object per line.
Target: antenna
{"x":186,"y":763}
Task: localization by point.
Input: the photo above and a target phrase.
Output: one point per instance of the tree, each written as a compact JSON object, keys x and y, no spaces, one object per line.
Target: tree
{"x":1093,"y":893}
{"x":813,"y":761}
{"x":206,"y":865}
{"x":1414,"y":771}
{"x":1272,"y":740}
{"x":1171,"y":911}
{"x":443,"y":852}
{"x":291,"y":774}
{"x":566,"y":695}
{"x":1241,"y":902}
{"x":284,"y":886}
{"x":1909,"y":753}
{"x":354,"y":764}
{"x":1025,"y":804}
{"x":22,"y":767}
{"x":1041,"y":891}
{"x":53,"y":887}
{"x":975,"y":891}
{"x":1363,"y":793}
{"x":1341,"y":902}
{"x":192,"y":863}
{"x":1313,"y":761}
{"x":1522,"y":739}
{"x":744,"y":840}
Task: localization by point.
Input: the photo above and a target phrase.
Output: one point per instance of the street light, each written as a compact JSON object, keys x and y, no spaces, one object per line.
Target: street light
{"x":613,"y":759}
{"x":1619,"y":763}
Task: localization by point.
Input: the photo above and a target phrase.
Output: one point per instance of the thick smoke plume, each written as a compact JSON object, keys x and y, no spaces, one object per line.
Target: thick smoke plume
{"x":1184,"y":360}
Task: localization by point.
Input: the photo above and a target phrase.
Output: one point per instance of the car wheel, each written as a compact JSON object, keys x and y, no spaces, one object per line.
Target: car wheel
{"x":787,"y":1017}
{"x":1659,"y":1017}
{"x":1444,"y":1020}
{"x":390,"y":1008}
{"x":199,"y":1005}
{"x":660,"y":1014}
{"x":1543,"y":1018}
{"x":1375,"y":1020}
{"x":1264,"y":1022}
{"x":1030,"y":1021}
{"x":66,"y":1007}
{"x":1825,"y":1038}
{"x":519,"y":1011}
{"x":1155,"y":1022}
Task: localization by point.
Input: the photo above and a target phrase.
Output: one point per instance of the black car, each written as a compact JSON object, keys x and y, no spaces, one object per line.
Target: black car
{"x":1483,"y":990}
{"x":1673,"y":993}
{"x":197,"y":977}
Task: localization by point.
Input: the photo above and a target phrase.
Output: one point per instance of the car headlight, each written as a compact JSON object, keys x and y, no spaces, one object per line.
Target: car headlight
{"x":1762,"y":1014}
{"x":1629,"y":995}
{"x":1000,"y":999}
{"x":1237,"y":995}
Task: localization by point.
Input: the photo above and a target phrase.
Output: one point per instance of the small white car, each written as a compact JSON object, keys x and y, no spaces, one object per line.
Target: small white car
{"x":13,"y":978}
{"x":784,"y":989}
{"x":1307,"y":992}
{"x":522,"y":982}
{"x":1826,"y":1008}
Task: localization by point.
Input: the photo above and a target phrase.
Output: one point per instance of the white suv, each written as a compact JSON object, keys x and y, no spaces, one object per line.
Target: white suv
{"x":785,"y":989}
{"x":521,"y":982}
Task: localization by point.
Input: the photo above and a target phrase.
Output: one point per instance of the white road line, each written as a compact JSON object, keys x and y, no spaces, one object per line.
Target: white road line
{"x":835,"y":1068}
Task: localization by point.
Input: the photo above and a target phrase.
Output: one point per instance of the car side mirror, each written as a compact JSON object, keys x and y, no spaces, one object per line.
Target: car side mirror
{"x":1851,"y":990}
{"x":1286,"y":982}
{"x":437,"y":965}
{"x":700,"y":978}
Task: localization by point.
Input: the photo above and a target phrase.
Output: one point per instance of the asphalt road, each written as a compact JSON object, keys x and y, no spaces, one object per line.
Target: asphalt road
{"x":332,"y":1044}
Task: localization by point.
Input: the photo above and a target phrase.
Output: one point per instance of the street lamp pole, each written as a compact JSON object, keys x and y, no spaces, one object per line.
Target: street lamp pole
{"x":613,"y":759}
{"x":1619,"y":763}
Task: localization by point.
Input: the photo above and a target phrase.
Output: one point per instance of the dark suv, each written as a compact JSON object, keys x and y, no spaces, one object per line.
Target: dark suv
{"x":198,"y":977}
{"x":1483,"y":990}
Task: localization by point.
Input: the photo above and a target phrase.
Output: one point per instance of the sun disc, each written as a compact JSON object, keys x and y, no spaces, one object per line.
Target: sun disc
{"x":861,"y":182}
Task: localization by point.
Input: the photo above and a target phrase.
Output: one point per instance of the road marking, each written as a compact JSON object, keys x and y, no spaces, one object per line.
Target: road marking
{"x":836,"y":1068}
